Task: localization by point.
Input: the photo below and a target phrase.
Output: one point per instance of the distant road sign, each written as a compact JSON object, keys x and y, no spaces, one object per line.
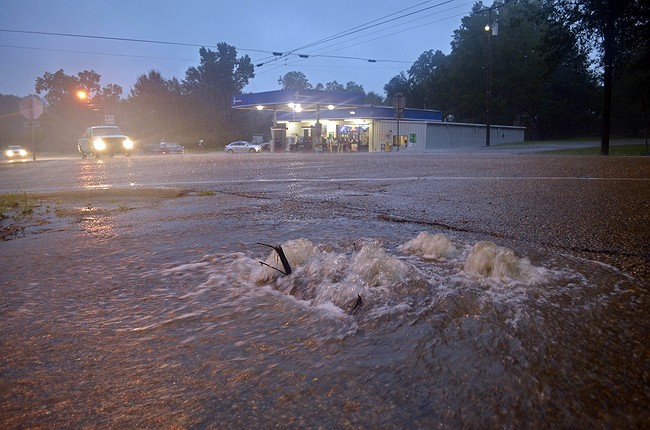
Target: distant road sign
{"x":31,"y":107}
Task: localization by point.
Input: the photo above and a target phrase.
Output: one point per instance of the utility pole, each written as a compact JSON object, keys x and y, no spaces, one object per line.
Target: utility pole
{"x":399,"y":103}
{"x":608,"y":48}
{"x":488,"y":84}
{"x":492,"y":29}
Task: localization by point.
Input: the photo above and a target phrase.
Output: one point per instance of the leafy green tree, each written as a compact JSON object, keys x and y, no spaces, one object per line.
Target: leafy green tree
{"x":61,"y":89}
{"x":400,"y":84}
{"x":422,"y":79}
{"x":350,"y":87}
{"x":153,"y":108}
{"x":334,"y":86}
{"x":67,"y":115}
{"x":618,"y":29}
{"x":353,"y":87}
{"x":210,"y":87}
{"x":294,"y":81}
{"x":538,"y":81}
{"x":535,"y":80}
{"x":372,"y":98}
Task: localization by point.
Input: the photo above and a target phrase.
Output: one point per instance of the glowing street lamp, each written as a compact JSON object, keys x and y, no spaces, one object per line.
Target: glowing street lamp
{"x":488,"y":92}
{"x":82,"y":95}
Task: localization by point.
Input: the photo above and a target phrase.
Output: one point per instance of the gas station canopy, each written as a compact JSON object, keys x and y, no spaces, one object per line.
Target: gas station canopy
{"x":297,"y":100}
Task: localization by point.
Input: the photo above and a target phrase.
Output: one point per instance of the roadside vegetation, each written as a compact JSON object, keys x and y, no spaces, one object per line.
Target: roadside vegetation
{"x":23,"y":212}
{"x":619,"y":150}
{"x":16,"y":205}
{"x":582,"y":146}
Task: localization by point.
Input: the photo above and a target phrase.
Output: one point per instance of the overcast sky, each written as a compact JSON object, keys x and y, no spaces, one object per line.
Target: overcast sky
{"x":255,"y":27}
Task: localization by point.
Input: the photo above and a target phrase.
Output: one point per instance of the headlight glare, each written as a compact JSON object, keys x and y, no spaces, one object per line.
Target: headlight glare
{"x":127,"y":144}
{"x":9,"y":153}
{"x":23,"y":153}
{"x":99,"y":144}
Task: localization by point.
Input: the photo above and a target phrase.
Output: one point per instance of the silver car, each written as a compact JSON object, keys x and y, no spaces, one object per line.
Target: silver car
{"x":242,"y":146}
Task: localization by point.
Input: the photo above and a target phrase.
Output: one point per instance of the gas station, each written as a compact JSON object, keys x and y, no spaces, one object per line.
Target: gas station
{"x":329,"y":121}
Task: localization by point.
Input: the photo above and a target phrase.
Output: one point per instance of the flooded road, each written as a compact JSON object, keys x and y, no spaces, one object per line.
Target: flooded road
{"x":455,"y":291}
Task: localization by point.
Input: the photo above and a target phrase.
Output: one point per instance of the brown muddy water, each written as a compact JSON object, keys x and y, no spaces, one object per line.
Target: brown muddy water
{"x":159,"y":314}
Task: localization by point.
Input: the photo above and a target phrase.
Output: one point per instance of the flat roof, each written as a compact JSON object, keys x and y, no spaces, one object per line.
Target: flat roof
{"x":286,"y":100}
{"x":364,"y":112}
{"x":309,"y":105}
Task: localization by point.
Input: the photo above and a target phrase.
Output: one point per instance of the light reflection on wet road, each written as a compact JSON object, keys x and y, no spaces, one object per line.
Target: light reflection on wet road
{"x":159,"y":316}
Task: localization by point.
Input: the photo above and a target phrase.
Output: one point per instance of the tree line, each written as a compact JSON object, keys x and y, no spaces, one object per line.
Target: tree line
{"x":561,"y":68}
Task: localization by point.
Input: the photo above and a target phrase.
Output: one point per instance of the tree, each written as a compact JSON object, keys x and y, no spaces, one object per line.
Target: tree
{"x":294,"y":81}
{"x":209,"y":88}
{"x":399,"y":84}
{"x":334,"y":86}
{"x":67,"y":115}
{"x":350,"y":87}
{"x":60,"y":88}
{"x":540,"y":78}
{"x":153,"y":106}
{"x":353,"y":87}
{"x":615,"y":28}
{"x":421,"y":90}
{"x":372,"y":98}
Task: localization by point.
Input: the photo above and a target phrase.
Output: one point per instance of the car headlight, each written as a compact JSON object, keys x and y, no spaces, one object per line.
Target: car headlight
{"x":99,"y":144}
{"x":127,"y":144}
{"x":9,"y":153}
{"x":23,"y":153}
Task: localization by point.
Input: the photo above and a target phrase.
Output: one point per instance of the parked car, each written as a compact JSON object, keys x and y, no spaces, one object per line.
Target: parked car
{"x":14,"y":152}
{"x":164,"y":147}
{"x":104,"y":140}
{"x":171,"y":148}
{"x":241,"y":146}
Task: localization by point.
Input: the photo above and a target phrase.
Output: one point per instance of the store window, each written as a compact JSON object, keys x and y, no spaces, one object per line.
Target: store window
{"x":353,"y":138}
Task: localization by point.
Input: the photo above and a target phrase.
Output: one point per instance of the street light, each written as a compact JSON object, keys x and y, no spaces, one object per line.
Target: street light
{"x":82,"y":95}
{"x":492,"y":29}
{"x":488,"y":30}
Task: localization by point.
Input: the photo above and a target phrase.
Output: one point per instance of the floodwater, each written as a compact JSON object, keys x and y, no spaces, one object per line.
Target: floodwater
{"x":175,"y":317}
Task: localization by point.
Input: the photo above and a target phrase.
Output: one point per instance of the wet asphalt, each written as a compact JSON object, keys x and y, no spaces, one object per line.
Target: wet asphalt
{"x":589,"y":206}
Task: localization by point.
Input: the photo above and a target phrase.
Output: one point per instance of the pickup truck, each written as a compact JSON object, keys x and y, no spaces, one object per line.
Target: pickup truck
{"x":104,"y":140}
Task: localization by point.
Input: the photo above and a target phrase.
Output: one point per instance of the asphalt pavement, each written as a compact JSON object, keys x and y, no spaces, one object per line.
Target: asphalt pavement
{"x":590,"y":206}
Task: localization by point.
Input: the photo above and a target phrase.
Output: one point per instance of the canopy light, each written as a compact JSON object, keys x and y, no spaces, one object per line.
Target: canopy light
{"x":330,"y":107}
{"x":260,"y":107}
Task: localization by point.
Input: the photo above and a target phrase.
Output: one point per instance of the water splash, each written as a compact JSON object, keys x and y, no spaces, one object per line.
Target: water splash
{"x":430,"y":247}
{"x":491,"y":261}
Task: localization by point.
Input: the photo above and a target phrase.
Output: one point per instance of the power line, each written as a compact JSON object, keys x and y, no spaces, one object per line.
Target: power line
{"x":274,"y":56}
{"x":338,"y":47}
{"x":95,"y":53}
{"x":122,"y":39}
{"x":161,"y":42}
{"x":370,"y":24}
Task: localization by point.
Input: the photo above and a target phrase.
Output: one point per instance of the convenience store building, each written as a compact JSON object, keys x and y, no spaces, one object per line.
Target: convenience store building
{"x":334,"y":121}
